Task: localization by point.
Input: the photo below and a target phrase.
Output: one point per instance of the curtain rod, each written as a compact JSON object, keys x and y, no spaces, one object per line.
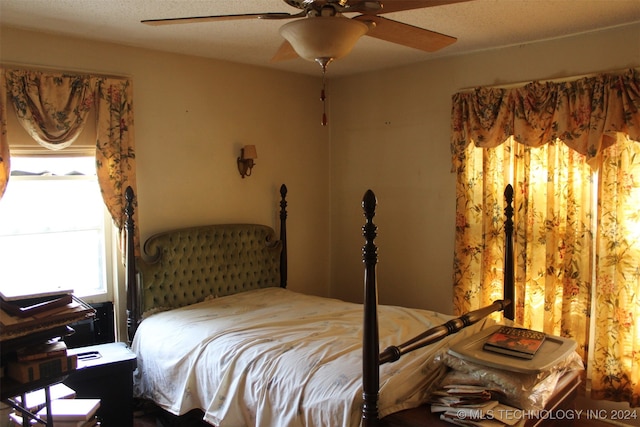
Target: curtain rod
{"x":60,"y":70}
{"x":554,"y":80}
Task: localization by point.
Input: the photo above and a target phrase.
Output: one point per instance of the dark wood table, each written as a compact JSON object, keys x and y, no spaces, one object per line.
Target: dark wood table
{"x":10,"y":389}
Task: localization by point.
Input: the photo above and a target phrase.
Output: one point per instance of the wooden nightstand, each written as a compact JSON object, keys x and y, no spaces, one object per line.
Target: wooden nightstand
{"x":105,"y":372}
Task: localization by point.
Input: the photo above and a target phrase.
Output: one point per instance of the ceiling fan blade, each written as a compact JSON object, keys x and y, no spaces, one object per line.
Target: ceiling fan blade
{"x":390,"y":6}
{"x":284,"y":53}
{"x":195,"y":19}
{"x":405,"y":34}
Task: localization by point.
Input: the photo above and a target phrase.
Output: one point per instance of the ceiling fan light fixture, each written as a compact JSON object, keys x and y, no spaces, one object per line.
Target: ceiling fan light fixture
{"x":323,"y":39}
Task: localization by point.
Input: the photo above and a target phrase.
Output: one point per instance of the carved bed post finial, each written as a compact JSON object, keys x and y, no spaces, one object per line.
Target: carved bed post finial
{"x":509,"y":272}
{"x":133,"y":310}
{"x":370,"y":345}
{"x":283,"y":236}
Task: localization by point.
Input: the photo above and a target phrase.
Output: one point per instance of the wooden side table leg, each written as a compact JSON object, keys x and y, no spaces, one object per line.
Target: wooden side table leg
{"x":47,"y":399}
{"x":25,"y":417}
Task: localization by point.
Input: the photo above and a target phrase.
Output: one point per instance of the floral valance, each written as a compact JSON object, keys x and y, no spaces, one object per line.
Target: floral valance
{"x":585,"y":114}
{"x":4,"y":145}
{"x":53,"y":107}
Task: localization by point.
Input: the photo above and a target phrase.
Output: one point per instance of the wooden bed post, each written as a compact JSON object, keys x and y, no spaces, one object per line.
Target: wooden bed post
{"x":370,"y":344}
{"x":509,"y":272}
{"x":283,"y":236}
{"x":371,"y":356}
{"x":133,"y":306}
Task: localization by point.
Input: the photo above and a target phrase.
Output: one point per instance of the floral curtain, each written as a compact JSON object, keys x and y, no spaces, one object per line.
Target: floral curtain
{"x":53,"y":108}
{"x":616,"y":364}
{"x":115,"y":156}
{"x":552,"y":239}
{"x":4,"y":144}
{"x":547,"y":140}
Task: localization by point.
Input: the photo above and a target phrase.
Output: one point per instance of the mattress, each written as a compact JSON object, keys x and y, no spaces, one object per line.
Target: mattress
{"x":274,"y":357}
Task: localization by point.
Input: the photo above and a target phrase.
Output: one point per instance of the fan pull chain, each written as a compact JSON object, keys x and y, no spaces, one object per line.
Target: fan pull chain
{"x":323,"y":63}
{"x":323,"y":97}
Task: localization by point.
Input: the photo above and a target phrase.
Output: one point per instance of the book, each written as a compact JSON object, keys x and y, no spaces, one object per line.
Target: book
{"x":93,"y":422}
{"x":14,"y":326}
{"x":32,"y":306}
{"x":71,"y":410}
{"x":26,"y":372}
{"x":36,"y":400}
{"x":10,"y":292}
{"x":90,"y":423}
{"x":517,"y":342}
{"x":12,"y":345}
{"x":42,"y":351}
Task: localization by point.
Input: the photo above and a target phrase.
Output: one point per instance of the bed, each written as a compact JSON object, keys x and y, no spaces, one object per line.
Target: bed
{"x":216,"y":330}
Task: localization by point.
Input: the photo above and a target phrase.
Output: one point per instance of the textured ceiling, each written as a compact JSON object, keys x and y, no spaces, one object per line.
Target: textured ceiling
{"x":477,"y":24}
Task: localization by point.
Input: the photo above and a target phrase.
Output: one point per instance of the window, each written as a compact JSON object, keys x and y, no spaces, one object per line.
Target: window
{"x":576,"y":244}
{"x":54,"y":229}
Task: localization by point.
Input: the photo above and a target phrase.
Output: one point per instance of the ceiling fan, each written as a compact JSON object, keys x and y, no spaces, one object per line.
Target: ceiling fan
{"x":324,"y":33}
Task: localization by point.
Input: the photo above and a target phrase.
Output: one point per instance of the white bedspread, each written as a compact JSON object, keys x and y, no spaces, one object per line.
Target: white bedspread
{"x":277,"y":358}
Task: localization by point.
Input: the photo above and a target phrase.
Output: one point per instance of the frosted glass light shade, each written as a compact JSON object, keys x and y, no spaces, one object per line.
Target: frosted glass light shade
{"x":323,"y":38}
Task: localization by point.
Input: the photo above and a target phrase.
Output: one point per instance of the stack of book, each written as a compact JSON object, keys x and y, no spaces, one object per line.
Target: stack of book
{"x":31,"y":328}
{"x":34,"y":304}
{"x":498,"y":367}
{"x":67,"y":413}
{"x":470,"y":405}
{"x":41,"y":361}
{"x":36,"y":400}
{"x":23,"y":314}
{"x":72,"y":412}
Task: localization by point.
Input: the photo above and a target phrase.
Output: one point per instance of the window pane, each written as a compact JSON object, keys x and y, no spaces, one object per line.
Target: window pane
{"x":45,"y":205}
{"x":52,"y":229}
{"x":54,"y":166}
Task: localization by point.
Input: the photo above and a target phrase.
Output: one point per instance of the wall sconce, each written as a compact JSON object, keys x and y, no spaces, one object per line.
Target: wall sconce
{"x":245,"y":162}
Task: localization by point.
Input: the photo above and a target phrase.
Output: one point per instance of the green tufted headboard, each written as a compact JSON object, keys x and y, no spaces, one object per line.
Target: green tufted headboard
{"x":189,"y":265}
{"x":192,"y":264}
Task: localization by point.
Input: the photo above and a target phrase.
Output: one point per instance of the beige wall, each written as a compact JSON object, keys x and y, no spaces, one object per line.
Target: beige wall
{"x":192,"y":115}
{"x":390,"y":132}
